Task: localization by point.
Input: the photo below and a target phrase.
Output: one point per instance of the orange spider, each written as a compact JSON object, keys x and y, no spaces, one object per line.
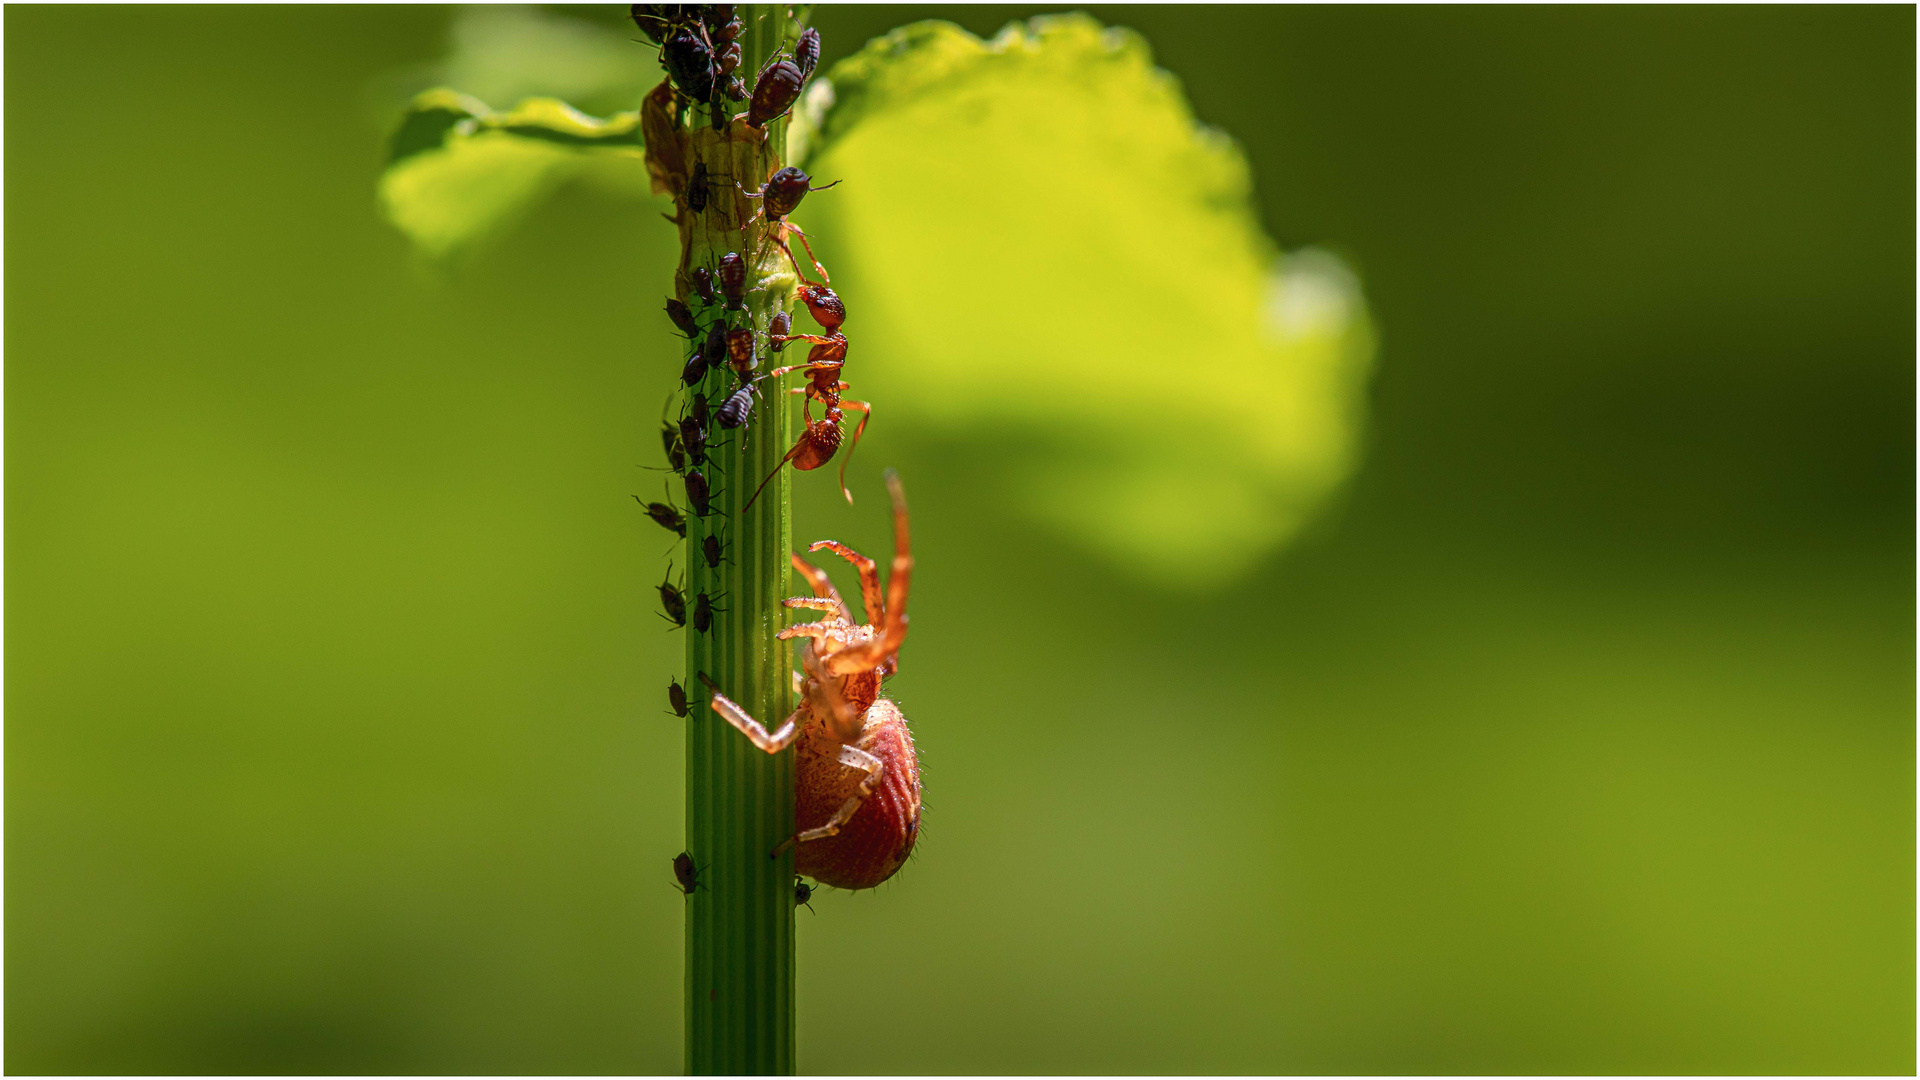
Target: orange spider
{"x":854,"y":747}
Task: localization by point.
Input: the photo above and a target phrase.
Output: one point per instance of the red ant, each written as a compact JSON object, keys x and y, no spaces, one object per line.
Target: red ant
{"x":821,"y":438}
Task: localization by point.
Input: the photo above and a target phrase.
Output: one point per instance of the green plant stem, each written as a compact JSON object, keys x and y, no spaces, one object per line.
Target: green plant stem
{"x":740,"y":801}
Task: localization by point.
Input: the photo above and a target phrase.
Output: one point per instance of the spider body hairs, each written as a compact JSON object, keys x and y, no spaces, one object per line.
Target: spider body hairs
{"x":856,"y":774}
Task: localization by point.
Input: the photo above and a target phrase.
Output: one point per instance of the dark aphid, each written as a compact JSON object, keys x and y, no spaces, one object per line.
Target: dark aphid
{"x":729,"y":59}
{"x":696,"y":368}
{"x":806,"y":53}
{"x":699,"y":495}
{"x":665,"y":516}
{"x":685,"y":874}
{"x":740,"y":351}
{"x":778,"y":328}
{"x":710,"y":548}
{"x":693,"y":436}
{"x":673,"y":600}
{"x":690,"y":64}
{"x":717,"y":17}
{"x":734,"y":411}
{"x":703,"y":610}
{"x":682,"y":317}
{"x":669,"y":438}
{"x":651,"y":22}
{"x":697,"y":409}
{"x":774,"y":92}
{"x":733,"y":279}
{"x":717,"y":109}
{"x":677,"y":698}
{"x":703,"y":286}
{"x":802,"y":892}
{"x":784,"y":190}
{"x":737,"y":89}
{"x":697,"y":187}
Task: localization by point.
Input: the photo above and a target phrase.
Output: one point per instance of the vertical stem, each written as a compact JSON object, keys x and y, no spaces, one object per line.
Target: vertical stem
{"x":740,"y":801}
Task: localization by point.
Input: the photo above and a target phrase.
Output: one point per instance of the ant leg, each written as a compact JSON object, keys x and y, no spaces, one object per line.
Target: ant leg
{"x":811,"y":257}
{"x":866,"y":414}
{"x":869,"y":580}
{"x":853,"y":758}
{"x":739,"y":718}
{"x":776,"y":470}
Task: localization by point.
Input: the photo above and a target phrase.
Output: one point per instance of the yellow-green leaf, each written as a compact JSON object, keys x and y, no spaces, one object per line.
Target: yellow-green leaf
{"x":1037,"y":241}
{"x":458,"y":171}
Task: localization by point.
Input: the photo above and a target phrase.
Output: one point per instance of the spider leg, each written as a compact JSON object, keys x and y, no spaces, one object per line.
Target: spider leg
{"x":892,"y":629}
{"x":853,"y":758}
{"x":739,"y":718}
{"x":822,"y":585}
{"x":817,"y":603}
{"x":869,"y":579}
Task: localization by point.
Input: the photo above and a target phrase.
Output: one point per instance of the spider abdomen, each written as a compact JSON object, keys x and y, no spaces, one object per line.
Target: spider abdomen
{"x":876,"y":841}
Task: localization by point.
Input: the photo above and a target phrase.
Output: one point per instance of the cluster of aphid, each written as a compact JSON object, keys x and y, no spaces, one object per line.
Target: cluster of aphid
{"x":700,"y":49}
{"x":853,"y":746}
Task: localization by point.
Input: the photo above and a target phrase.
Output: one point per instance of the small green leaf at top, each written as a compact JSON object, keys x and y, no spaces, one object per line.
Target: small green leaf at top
{"x":458,"y":172}
{"x":1039,"y":245}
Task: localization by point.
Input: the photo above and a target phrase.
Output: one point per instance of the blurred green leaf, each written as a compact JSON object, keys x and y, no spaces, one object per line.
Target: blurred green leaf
{"x":457,"y":171}
{"x":1040,"y":241}
{"x":507,"y":53}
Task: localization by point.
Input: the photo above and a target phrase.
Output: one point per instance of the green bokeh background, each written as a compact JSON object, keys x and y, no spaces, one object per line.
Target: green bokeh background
{"x":1578,"y":736}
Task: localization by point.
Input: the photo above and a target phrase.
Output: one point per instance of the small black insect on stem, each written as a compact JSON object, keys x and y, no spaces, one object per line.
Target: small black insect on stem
{"x":734,"y":411}
{"x":710,"y":550}
{"x":699,"y":495}
{"x":733,"y":280}
{"x":665,"y":516}
{"x":703,"y":610}
{"x":682,"y":317}
{"x":673,"y":601}
{"x":677,"y":698}
{"x":685,"y":873}
{"x":703,"y":284}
